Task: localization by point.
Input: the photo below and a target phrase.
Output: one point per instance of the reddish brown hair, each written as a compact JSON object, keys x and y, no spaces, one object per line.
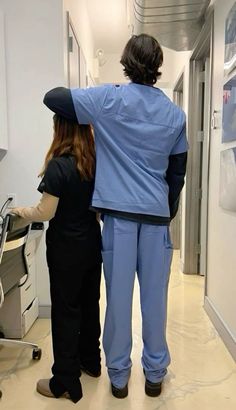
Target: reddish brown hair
{"x":75,"y":139}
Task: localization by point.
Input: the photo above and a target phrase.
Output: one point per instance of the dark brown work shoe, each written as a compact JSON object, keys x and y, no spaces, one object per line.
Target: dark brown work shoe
{"x":119,"y":393}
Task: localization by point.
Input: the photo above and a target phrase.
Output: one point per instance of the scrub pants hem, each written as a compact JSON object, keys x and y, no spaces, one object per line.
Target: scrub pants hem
{"x":155,"y":376}
{"x":119,"y":378}
{"x":58,"y":389}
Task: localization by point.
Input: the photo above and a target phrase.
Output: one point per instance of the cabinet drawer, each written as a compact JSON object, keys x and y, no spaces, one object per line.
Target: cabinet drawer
{"x":28,"y":290}
{"x":30,"y":315}
{"x":30,"y":249}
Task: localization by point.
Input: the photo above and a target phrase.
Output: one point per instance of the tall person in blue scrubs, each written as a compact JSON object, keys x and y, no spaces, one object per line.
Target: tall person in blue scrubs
{"x":141,"y":151}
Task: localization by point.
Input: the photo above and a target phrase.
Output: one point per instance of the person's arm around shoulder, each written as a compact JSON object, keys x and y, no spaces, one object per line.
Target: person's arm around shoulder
{"x":59,"y":100}
{"x":79,"y":104}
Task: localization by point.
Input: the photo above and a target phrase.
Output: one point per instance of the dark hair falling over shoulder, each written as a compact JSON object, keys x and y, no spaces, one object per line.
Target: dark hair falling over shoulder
{"x":142,"y":58}
{"x":74,"y":139}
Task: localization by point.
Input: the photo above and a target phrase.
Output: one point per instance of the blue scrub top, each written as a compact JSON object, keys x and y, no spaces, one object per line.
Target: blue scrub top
{"x":136,"y":128}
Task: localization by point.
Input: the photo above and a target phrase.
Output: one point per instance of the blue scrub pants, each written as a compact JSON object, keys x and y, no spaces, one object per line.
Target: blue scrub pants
{"x":130,"y":247}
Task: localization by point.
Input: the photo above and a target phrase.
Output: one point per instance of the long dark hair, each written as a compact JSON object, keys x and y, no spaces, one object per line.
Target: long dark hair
{"x":75,"y":139}
{"x":142,"y":58}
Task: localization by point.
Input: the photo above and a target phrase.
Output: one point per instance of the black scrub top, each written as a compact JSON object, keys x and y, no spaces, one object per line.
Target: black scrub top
{"x":74,"y":226}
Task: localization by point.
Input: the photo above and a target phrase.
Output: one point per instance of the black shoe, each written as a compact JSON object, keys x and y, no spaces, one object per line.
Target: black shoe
{"x":152,"y":389}
{"x":120,"y":393}
{"x":96,"y":372}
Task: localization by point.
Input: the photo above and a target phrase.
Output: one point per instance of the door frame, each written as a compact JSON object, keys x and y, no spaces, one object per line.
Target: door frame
{"x":175,"y":225}
{"x":203,"y":49}
{"x":70,"y":26}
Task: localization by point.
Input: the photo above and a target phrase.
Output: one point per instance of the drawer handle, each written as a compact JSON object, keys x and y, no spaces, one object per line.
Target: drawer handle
{"x":28,"y":287}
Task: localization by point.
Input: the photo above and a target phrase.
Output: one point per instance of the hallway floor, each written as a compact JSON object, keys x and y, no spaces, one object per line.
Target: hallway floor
{"x":202,"y":374}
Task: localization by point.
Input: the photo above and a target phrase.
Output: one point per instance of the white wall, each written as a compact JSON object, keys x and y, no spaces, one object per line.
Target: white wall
{"x":179,"y":65}
{"x":221,"y":278}
{"x":34,"y":64}
{"x":80,"y":19}
{"x":111,"y":71}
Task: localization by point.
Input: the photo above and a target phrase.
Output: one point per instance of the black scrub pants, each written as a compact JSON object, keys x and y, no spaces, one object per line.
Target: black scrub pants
{"x":75,"y":274}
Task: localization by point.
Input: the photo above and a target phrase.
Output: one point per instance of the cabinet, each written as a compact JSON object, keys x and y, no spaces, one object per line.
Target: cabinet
{"x":20,"y":308}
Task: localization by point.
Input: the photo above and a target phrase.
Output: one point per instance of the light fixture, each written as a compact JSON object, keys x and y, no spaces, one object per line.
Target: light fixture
{"x":100,"y":56}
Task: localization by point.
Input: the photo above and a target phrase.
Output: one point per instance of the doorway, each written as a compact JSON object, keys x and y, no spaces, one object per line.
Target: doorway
{"x":199,"y":114}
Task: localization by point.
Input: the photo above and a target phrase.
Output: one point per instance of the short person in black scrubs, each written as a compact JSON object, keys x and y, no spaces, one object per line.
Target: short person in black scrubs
{"x":73,"y":256}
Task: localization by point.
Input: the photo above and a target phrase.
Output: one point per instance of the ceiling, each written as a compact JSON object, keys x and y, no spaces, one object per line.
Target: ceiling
{"x":109,"y":24}
{"x":175,"y":23}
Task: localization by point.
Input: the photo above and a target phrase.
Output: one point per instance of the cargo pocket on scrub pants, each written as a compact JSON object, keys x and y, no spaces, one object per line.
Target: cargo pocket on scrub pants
{"x":107,"y":258}
{"x":107,"y":248}
{"x":168,"y":252}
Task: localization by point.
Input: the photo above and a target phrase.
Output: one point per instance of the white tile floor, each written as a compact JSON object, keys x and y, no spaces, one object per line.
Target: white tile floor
{"x":202,"y":375}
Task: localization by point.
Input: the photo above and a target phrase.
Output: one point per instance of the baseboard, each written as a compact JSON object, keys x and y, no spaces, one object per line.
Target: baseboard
{"x":221,"y":327}
{"x":45,"y":311}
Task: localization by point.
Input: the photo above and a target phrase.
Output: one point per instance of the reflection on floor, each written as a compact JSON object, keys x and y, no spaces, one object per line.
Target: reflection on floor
{"x":202,"y":374}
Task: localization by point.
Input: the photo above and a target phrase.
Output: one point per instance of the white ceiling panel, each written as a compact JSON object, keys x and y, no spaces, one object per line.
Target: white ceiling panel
{"x":109,"y":24}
